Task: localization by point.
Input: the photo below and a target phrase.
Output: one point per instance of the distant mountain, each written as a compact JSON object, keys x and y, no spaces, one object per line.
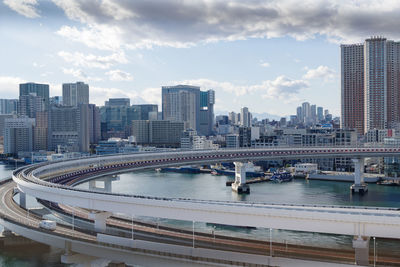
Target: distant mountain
{"x":259,"y":116}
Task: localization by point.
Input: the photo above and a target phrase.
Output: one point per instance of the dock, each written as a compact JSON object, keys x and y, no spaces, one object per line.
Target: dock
{"x":251,"y":180}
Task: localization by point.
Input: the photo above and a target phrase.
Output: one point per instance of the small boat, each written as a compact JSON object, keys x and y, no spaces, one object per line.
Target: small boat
{"x":281,"y":177}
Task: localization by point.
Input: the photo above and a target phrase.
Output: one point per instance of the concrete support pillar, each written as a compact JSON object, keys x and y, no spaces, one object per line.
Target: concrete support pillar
{"x":99,"y":220}
{"x":240,"y":185}
{"x":67,"y":248}
{"x":359,"y":186}
{"x":6,"y":232}
{"x":107,"y":185}
{"x":22,"y":199}
{"x":361,"y":248}
{"x":92,"y":185}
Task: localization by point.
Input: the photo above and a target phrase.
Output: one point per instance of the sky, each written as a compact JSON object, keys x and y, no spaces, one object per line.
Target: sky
{"x":267,"y":55}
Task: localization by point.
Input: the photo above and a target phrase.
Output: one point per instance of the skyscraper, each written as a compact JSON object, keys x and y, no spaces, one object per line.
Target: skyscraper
{"x":306,"y":112}
{"x":320,"y":114}
{"x":245,"y":117}
{"x":18,"y":135}
{"x":182,"y":103}
{"x":30,"y":104}
{"x":370,"y":86}
{"x":75,"y":94}
{"x":8,"y":106}
{"x":207,"y":100}
{"x":41,"y":90}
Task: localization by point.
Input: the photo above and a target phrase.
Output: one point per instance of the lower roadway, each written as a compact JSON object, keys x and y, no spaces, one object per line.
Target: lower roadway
{"x":13,"y":212}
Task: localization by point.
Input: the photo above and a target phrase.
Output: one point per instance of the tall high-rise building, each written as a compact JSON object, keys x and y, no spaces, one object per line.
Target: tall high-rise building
{"x":88,"y":126}
{"x":207,"y":100}
{"x":370,"y":85}
{"x":8,"y":106}
{"x":232,"y":117}
{"x":30,"y":104}
{"x":299,"y":113}
{"x":313,"y":113}
{"x":41,"y":90}
{"x":245,"y":117}
{"x":40,"y":133}
{"x":63,"y":128}
{"x":182,"y":103}
{"x":320,"y":114}
{"x":118,"y":102}
{"x":75,"y":94}
{"x":375,"y":84}
{"x":18,"y":135}
{"x":352,"y":87}
{"x":306,"y":112}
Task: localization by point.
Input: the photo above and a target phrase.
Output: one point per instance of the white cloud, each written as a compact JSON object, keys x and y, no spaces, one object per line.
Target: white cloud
{"x":93,"y":61}
{"x":9,"y":86}
{"x":280,"y":88}
{"x":26,"y":8}
{"x":265,"y":64}
{"x":119,"y":75}
{"x":149,"y":95}
{"x":114,"y":25}
{"x":80,"y":74}
{"x":321,"y":72}
{"x":283,"y":88}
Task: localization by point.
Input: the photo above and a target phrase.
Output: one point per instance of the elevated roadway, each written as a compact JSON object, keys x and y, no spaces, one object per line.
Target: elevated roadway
{"x":41,"y":181}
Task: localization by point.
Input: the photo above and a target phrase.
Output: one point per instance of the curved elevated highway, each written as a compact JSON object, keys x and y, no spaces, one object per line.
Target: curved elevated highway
{"x":50,"y":181}
{"x":41,"y":181}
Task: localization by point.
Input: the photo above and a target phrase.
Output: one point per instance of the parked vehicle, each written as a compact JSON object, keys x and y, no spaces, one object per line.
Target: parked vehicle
{"x":48,"y":225}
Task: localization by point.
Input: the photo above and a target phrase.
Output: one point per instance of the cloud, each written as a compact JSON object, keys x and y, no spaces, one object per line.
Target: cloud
{"x":321,"y":72}
{"x":80,"y":74}
{"x":265,"y":64}
{"x":283,"y":88}
{"x":119,"y":75}
{"x":115,"y":25}
{"x":280,"y":88}
{"x":93,"y":61}
{"x":149,"y":95}
{"x":9,"y":86}
{"x":26,"y":8}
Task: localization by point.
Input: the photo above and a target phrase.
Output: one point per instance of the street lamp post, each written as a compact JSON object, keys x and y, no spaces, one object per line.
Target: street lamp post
{"x":270,"y":242}
{"x":132,"y":226}
{"x":374,"y":252}
{"x":193,"y":232}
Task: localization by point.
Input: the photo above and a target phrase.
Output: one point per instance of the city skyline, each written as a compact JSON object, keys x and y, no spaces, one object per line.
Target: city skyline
{"x":284,"y":66}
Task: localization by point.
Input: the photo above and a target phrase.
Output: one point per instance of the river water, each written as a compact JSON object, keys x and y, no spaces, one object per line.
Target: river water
{"x":207,"y":186}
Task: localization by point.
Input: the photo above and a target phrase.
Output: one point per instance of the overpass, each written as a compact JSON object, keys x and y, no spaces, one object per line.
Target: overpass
{"x":50,"y":181}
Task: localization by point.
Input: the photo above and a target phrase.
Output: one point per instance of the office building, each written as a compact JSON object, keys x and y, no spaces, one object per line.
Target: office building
{"x":117,"y":116}
{"x":182,"y":103}
{"x":232,"y":141}
{"x":63,"y":128}
{"x":320,"y":114}
{"x":306,"y":112}
{"x":370,"y":85}
{"x":157,"y":133}
{"x":245,"y":117}
{"x":56,"y":100}
{"x":40,"y":131}
{"x":8,"y":106}
{"x":3,"y":117}
{"x":30,"y":104}
{"x":118,"y":102}
{"x":207,"y":101}
{"x":144,"y":111}
{"x":41,"y":90}
{"x":18,"y":135}
{"x":75,"y":93}
{"x":88,"y":124}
